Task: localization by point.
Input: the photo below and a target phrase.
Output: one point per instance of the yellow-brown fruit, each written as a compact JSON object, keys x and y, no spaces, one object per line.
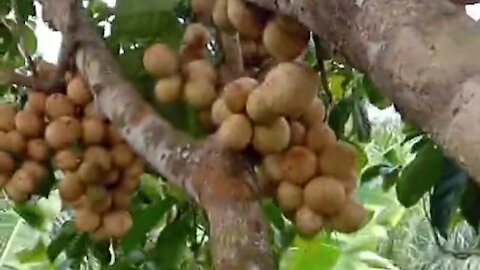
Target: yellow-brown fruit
{"x":308,"y":222}
{"x":117,"y":223}
{"x":289,"y":196}
{"x":272,"y":164}
{"x":196,"y":36}
{"x":169,"y":89}
{"x":220,"y":112}
{"x":200,"y":93}
{"x":298,"y":133}
{"x":58,"y":105}
{"x":235,"y":132}
{"x":122,"y":155}
{"x":135,"y":170}
{"x":93,"y":131}
{"x":86,"y":220}
{"x":349,"y":182}
{"x":235,"y":93}
{"x":350,"y":219}
{"x":23,"y":181}
{"x":99,"y":155}
{"x":205,"y":119}
{"x":37,"y":149}
{"x":299,"y":165}
{"x":129,"y":184}
{"x":7,"y":116}
{"x":82,"y":202}
{"x":89,"y":172}
{"x":220,"y":16}
{"x":113,"y":136}
{"x":71,"y":187}
{"x":282,"y":44}
{"x":121,"y":199}
{"x":95,"y":193}
{"x":159,"y":60}
{"x":14,"y":193}
{"x":16,"y":142}
{"x":37,"y":170}
{"x":63,"y":132}
{"x":36,"y":101}
{"x":257,"y":108}
{"x":111,"y":177}
{"x":7,"y":163}
{"x":78,"y":91}
{"x":103,"y":205}
{"x":29,"y":124}
{"x":319,"y":137}
{"x":203,"y":9}
{"x":290,"y":88}
{"x":200,"y":70}
{"x":246,"y":18}
{"x":325,"y":195}
{"x":90,"y":111}
{"x":314,"y":114}
{"x":67,"y":160}
{"x":272,"y":138}
{"x":338,"y":160}
{"x":100,"y":234}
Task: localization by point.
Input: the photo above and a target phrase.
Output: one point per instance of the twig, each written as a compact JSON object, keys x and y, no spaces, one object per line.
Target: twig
{"x":232,"y":66}
{"x":320,"y":54}
{"x":21,"y":45}
{"x":33,"y":83}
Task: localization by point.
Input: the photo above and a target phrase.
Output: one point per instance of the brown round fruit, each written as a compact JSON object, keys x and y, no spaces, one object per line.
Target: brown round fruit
{"x":196,"y":36}
{"x":200,"y":70}
{"x":299,"y":165}
{"x":23,"y":181}
{"x":67,"y":160}
{"x":289,"y":196}
{"x":100,"y":234}
{"x":122,"y":155}
{"x":350,"y":219}
{"x":246,"y":18}
{"x":205,"y":120}
{"x":15,"y":194}
{"x":325,"y":195}
{"x":89,"y":172}
{"x":203,"y":9}
{"x":159,"y":60}
{"x":235,"y":132}
{"x":111,"y":177}
{"x":298,"y":133}
{"x":71,"y":187}
{"x":235,"y":94}
{"x":37,"y":149}
{"x":90,"y":111}
{"x":113,"y":136}
{"x":96,"y":193}
{"x":129,"y":184}
{"x":36,"y":169}
{"x":272,"y":165}
{"x":7,"y":164}
{"x":169,"y":89}
{"x":63,"y":132}
{"x":308,"y":222}
{"x":103,"y":205}
{"x":135,"y":170}
{"x":272,"y":138}
{"x":319,"y":137}
{"x":220,"y":16}
{"x":200,"y":93}
{"x":29,"y":124}
{"x":117,"y":223}
{"x":58,"y":105}
{"x":99,"y":155}
{"x":86,"y":220}
{"x":314,"y":114}
{"x":220,"y":112}
{"x":16,"y":142}
{"x":93,"y":131}
{"x":284,"y":45}
{"x":7,"y":116}
{"x":257,"y":108}
{"x":36,"y":101}
{"x":337,"y":160}
{"x":78,"y":92}
{"x":121,"y":199}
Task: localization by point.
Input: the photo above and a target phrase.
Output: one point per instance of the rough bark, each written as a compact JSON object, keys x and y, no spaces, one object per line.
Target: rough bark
{"x":221,"y":182}
{"x":425,"y":55}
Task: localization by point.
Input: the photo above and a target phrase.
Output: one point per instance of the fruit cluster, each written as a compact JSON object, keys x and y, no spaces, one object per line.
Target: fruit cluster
{"x":278,"y":115}
{"x":65,"y":132}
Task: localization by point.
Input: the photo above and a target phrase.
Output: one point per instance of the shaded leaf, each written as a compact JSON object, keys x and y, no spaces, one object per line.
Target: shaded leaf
{"x":78,"y":246}
{"x":361,"y":123}
{"x":469,"y":204}
{"x":25,"y":8}
{"x":390,"y":177}
{"x":339,"y":115}
{"x":101,"y":251}
{"x":31,"y":213}
{"x":4,"y":8}
{"x":6,"y":39}
{"x":372,"y":172}
{"x":60,"y":242}
{"x":374,"y":95}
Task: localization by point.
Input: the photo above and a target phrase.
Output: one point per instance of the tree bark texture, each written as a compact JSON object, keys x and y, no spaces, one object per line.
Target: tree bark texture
{"x":221,"y":182}
{"x":423,"y":54}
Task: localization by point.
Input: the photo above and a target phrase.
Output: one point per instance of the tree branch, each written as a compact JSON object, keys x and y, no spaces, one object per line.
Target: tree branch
{"x":217,"y":180}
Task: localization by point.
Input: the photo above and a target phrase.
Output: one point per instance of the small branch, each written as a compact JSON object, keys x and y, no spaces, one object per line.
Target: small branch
{"x":232,"y":67}
{"x":32,"y":83}
{"x":321,"y":56}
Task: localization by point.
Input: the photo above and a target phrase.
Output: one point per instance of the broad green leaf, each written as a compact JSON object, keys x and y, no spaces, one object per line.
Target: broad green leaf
{"x":33,"y":255}
{"x":32,"y":214}
{"x":361,"y":123}
{"x":29,"y":39}
{"x":6,"y":39}
{"x":420,"y":175}
{"x":282,"y":233}
{"x":78,"y":246}
{"x":339,"y":115}
{"x":390,"y":177}
{"x":372,"y":172}
{"x":4,"y":8}
{"x":469,"y":204}
{"x":102,"y":253}
{"x":374,"y":95}
{"x":337,"y":87}
{"x":61,"y":241}
{"x":26,"y":8}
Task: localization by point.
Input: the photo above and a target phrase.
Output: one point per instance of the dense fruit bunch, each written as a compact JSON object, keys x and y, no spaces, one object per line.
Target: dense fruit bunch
{"x":64,"y":132}
{"x":277,"y":114}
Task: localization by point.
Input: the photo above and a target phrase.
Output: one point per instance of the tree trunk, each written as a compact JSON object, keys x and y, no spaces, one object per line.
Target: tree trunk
{"x":423,"y":54}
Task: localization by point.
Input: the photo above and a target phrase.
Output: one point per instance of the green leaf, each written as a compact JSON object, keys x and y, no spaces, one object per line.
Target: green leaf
{"x":4,"y":8}
{"x":390,"y":177}
{"x":101,"y":251}
{"x":337,"y":86}
{"x":339,"y":116}
{"x":47,"y":182}
{"x":33,"y":255}
{"x":29,"y":39}
{"x":361,"y":123}
{"x":32,"y":214}
{"x":6,"y":39}
{"x":25,"y":8}
{"x":60,"y":242}
{"x":420,"y":175}
{"x":282,"y":233}
{"x":374,"y":95}
{"x":372,"y":172}
{"x":469,"y":204}
{"x":78,"y":246}
{"x":144,"y":219}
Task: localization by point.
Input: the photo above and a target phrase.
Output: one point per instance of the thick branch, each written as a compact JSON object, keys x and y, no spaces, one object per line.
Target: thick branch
{"x":425,"y":55}
{"x":216,"y":179}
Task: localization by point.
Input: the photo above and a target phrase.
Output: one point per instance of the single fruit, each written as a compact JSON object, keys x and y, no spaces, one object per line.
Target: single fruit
{"x":117,"y":223}
{"x":200,"y":70}
{"x":122,"y":155}
{"x":16,"y":142}
{"x":291,"y":24}
{"x":37,"y":149}
{"x":78,"y":92}
{"x":159,"y":60}
{"x":350,"y":219}
{"x":29,"y":124}
{"x":235,"y":93}
{"x":36,"y":101}
{"x":257,"y":108}
{"x":272,"y":165}
{"x":337,"y":160}
{"x":314,"y":114}
{"x":298,"y":133}
{"x":324,"y":195}
{"x":99,"y":155}
{"x":100,"y":234}
{"x":196,"y":36}
{"x":135,"y":170}
{"x":121,"y":199}
{"x":58,"y":105}
{"x":96,"y":193}
{"x":289,"y":196}
{"x":273,"y":138}
{"x":89,"y":172}
{"x":246,"y":18}
{"x":86,"y":220}
{"x":319,"y":137}
{"x":36,"y":169}
{"x":169,"y":89}
{"x":282,"y":44}
{"x":220,"y":16}
{"x":203,"y":9}
{"x":7,"y":116}
{"x":23,"y":181}
{"x":91,"y":111}
{"x":308,"y":222}
{"x":200,"y":93}
{"x":71,"y":187}
{"x":235,"y":132}
{"x":111,"y":177}
{"x":113,"y":136}
{"x":63,"y":132}
{"x":129,"y":184}
{"x":103,"y":205}
{"x":220,"y":112}
{"x":7,"y":163}
{"x":15,"y":194}
{"x":299,"y":164}
{"x":93,"y":131}
{"x":67,"y":160}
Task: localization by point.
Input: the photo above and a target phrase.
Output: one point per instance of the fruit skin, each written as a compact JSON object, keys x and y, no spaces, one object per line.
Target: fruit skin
{"x":86,"y":220}
{"x":257,"y":109}
{"x":121,"y":199}
{"x":95,"y":194}
{"x":200,"y":69}
{"x":23,"y":181}
{"x":314,"y":114}
{"x":290,"y":88}
{"x":117,"y":223}
{"x":37,"y":149}
{"x":199,"y":93}
{"x":36,"y":102}
{"x":111,"y":177}
{"x":204,"y":119}
{"x":282,"y":44}
{"x":58,"y":105}
{"x":135,"y":170}
{"x":90,"y":111}
{"x":67,"y":160}
{"x":7,"y":116}
{"x":203,"y":8}
{"x":272,"y":138}
{"x":4,"y":178}
{"x":129,"y":184}
{"x":62,"y":132}
{"x":235,"y":93}
{"x":289,"y":196}
{"x":246,"y":18}
{"x":93,"y":131}
{"x":99,"y":155}
{"x":220,"y":16}
{"x":298,"y":133}
{"x":196,"y":36}
{"x":308,"y":222}
{"x":89,"y":172}
{"x":36,"y":169}
{"x":29,"y":124}
{"x":7,"y":163}
{"x":122,"y":155}
{"x":102,"y":205}
{"x":159,"y":60}
{"x":14,"y":193}
{"x":220,"y":112}
{"x":324,"y":195}
{"x":113,"y":136}
{"x":319,"y":137}
{"x":78,"y":91}
{"x":272,"y":165}
{"x":299,"y":165}
{"x":15,"y":142}
{"x":169,"y":89}
{"x":350,"y":219}
{"x":329,"y":160}
{"x":71,"y":187}
{"x":235,"y":132}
